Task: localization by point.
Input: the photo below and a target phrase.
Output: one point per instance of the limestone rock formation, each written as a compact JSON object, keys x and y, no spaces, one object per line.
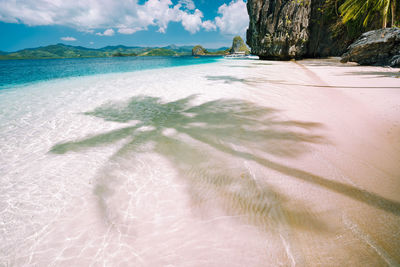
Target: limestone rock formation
{"x":278,"y":29}
{"x":379,"y":47}
{"x":238,"y":45}
{"x":198,"y":50}
{"x":285,"y":29}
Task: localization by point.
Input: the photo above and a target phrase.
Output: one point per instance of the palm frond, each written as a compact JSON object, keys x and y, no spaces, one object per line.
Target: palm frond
{"x":364,"y":9}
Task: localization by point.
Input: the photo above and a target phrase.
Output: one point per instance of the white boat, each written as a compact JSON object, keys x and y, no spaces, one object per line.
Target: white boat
{"x":236,"y":55}
{"x":240,"y":55}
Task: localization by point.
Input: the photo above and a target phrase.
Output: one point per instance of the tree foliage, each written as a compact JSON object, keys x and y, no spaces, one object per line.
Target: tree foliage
{"x":367,"y":9}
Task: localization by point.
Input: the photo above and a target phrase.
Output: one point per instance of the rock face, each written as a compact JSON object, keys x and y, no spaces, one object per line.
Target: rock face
{"x":322,"y":40}
{"x":379,"y":47}
{"x":198,"y":50}
{"x":238,"y":45}
{"x":278,"y":28}
{"x":285,"y":29}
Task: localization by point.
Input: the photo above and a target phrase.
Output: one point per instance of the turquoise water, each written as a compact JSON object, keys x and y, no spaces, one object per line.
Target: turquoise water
{"x":18,"y":72}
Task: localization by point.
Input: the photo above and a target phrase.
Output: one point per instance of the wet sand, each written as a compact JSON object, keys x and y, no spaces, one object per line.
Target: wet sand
{"x":237,"y":163}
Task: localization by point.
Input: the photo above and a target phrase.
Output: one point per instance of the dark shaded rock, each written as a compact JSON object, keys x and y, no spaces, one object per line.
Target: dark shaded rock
{"x":323,"y":40}
{"x":278,"y":28}
{"x":285,"y":29}
{"x":238,"y":45}
{"x":378,"y":47}
{"x":198,"y":50}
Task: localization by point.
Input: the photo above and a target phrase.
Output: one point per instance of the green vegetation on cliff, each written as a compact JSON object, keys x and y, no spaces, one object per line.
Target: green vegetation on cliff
{"x":238,"y":45}
{"x":198,"y":50}
{"x":338,"y":23}
{"x":366,"y":10}
{"x":350,"y":18}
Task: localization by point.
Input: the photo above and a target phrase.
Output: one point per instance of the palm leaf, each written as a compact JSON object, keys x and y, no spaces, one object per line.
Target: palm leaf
{"x":364,"y":10}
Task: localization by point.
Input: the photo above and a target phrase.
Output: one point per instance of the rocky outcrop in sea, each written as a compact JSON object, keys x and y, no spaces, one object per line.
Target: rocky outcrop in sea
{"x":379,"y":47}
{"x":238,"y":46}
{"x":198,"y":50}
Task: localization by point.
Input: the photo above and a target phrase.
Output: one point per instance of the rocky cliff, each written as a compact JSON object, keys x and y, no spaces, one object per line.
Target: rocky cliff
{"x":198,"y":50}
{"x":278,"y":28}
{"x":238,"y":46}
{"x":284,"y":29}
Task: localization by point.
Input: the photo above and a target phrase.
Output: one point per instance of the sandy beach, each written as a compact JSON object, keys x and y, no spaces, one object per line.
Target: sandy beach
{"x":234,"y":163}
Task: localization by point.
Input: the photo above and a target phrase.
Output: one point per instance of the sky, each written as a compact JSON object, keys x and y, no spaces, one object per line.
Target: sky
{"x":98,"y":23}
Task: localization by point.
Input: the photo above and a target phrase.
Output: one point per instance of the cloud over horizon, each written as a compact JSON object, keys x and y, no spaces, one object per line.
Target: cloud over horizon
{"x":108,"y":32}
{"x":126,"y":17}
{"x":68,"y":39}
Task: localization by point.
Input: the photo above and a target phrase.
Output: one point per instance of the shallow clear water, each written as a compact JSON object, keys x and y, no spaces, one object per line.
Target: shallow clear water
{"x":14,"y":72}
{"x":186,"y":166}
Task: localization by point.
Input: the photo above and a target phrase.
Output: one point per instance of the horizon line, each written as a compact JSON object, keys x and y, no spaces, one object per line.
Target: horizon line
{"x":133,"y":46}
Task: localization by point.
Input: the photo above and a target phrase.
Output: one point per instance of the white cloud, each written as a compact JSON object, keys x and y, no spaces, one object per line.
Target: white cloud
{"x":158,"y":13}
{"x":187,"y":4}
{"x":208,"y":25}
{"x":108,"y":32}
{"x":68,"y":39}
{"x":126,"y":16}
{"x":192,"y":22}
{"x":124,"y":30}
{"x":233,"y":18}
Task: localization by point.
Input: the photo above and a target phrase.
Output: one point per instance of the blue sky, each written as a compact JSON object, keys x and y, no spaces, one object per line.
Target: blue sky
{"x":98,"y":23}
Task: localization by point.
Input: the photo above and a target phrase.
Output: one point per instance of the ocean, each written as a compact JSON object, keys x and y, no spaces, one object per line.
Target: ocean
{"x":17,"y":72}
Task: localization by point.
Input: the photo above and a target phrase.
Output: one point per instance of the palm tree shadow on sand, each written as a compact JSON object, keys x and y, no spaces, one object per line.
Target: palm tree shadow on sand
{"x":203,"y":141}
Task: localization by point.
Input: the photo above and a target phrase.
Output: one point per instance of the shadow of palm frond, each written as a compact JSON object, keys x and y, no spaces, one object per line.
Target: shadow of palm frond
{"x":228,"y":79}
{"x":376,"y":74}
{"x":242,"y":66}
{"x":235,"y":189}
{"x":202,"y":141}
{"x":226,"y":120}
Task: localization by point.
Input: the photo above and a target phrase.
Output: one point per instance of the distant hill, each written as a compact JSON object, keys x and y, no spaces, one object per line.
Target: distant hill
{"x":69,"y":51}
{"x":123,"y":49}
{"x":180,"y":49}
{"x":55,"y":51}
{"x":218,"y":49}
{"x":160,"y":52}
{"x":198,"y":50}
{"x":118,"y":47}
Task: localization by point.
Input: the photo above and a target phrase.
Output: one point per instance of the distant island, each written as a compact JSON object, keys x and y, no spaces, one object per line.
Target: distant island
{"x":69,"y":51}
{"x":238,"y":46}
{"x":198,"y":50}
